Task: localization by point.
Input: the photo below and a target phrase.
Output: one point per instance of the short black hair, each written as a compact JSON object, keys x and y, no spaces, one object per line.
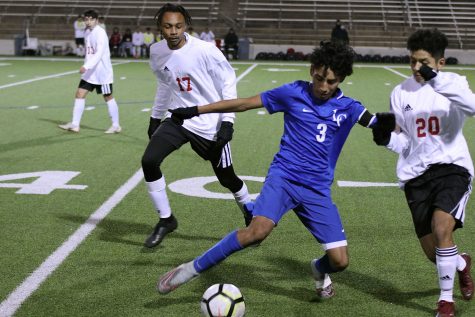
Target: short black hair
{"x":168,"y":7}
{"x":91,"y":13}
{"x":337,"y":56}
{"x":429,"y":40}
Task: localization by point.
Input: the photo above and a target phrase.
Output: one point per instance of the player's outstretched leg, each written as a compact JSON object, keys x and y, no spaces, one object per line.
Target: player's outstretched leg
{"x":323,"y":283}
{"x":176,"y":277}
{"x":445,"y":309}
{"x":163,"y":227}
{"x":465,"y":279}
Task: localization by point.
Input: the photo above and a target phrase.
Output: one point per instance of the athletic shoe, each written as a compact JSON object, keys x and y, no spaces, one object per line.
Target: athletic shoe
{"x":323,"y":283}
{"x":163,"y":227}
{"x":176,"y":277}
{"x":113,"y":129}
{"x":69,"y":127}
{"x":247,"y":212}
{"x":445,"y":309}
{"x":465,"y":280}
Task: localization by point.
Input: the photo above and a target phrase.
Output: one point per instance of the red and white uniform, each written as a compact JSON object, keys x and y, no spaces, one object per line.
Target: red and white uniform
{"x":97,"y":60}
{"x":194,"y":75}
{"x":431,"y":117}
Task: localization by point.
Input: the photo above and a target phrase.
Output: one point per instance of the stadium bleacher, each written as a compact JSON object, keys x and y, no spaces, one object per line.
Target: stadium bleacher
{"x":380,"y":23}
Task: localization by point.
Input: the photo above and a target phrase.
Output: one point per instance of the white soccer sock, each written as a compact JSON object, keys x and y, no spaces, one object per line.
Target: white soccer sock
{"x":78,"y":110}
{"x":158,"y":195}
{"x":242,"y":196}
{"x":446,"y":260}
{"x":113,"y":112}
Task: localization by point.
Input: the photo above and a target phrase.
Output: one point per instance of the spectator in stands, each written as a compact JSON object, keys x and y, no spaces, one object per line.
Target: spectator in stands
{"x":148,"y":40}
{"x":96,"y":74}
{"x":207,"y":35}
{"x":114,"y":42}
{"x":79,"y":29}
{"x":231,"y":41}
{"x":102,"y":23}
{"x":192,"y":32}
{"x":339,"y":33}
{"x":125,"y":49}
{"x":137,"y":42}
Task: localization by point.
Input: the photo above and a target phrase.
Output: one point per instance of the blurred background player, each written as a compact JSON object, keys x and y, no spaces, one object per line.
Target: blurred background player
{"x":96,"y":74}
{"x":190,"y":72}
{"x":79,"y":29}
{"x":317,"y":121}
{"x":137,"y":42}
{"x":207,"y":35}
{"x":434,"y":167}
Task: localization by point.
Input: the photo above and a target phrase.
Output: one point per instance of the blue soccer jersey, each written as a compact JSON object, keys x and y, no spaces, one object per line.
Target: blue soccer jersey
{"x":314,"y":132}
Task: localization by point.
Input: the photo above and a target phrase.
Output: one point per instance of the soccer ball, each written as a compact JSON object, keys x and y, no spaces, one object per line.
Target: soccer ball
{"x":223,"y":300}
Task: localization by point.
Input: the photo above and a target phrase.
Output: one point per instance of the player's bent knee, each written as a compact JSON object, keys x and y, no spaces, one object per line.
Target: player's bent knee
{"x":150,"y":167}
{"x":341,"y":264}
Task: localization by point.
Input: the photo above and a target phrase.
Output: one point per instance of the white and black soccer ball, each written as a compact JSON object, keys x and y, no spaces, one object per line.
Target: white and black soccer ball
{"x":223,"y":300}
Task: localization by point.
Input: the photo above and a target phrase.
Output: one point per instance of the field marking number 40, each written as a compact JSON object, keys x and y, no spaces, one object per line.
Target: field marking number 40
{"x":45,"y":182}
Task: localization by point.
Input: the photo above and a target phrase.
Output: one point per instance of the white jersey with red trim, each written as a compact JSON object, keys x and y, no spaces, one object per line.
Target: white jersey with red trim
{"x":431,"y":117}
{"x":97,"y":59}
{"x":194,"y":75}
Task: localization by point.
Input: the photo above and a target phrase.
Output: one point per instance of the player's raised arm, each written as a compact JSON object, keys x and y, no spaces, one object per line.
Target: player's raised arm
{"x":232,"y":105}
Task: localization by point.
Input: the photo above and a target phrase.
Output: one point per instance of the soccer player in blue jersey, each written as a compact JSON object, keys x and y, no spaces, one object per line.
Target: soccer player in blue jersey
{"x":317,"y":120}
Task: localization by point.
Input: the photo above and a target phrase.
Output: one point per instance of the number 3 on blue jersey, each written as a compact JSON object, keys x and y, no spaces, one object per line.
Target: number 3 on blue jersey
{"x":322,"y":132}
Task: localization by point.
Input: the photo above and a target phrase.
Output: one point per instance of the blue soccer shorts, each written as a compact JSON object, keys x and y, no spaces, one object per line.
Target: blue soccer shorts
{"x":316,"y":211}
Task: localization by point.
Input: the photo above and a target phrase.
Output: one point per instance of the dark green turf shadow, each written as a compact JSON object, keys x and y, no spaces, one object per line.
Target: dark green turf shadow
{"x":165,"y":301}
{"x":116,"y":230}
{"x":43,"y":141}
{"x":385,"y":291}
{"x":140,"y":142}
{"x":58,"y":122}
{"x":381,"y":289}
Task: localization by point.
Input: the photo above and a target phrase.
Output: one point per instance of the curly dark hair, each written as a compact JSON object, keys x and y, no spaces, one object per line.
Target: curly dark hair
{"x":337,"y":56}
{"x":168,"y":7}
{"x":91,"y":13}
{"x":429,"y":40}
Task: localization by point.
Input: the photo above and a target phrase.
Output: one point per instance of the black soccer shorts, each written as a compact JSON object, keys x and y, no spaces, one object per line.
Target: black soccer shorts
{"x":105,"y":89}
{"x":443,"y":186}
{"x":173,"y":135}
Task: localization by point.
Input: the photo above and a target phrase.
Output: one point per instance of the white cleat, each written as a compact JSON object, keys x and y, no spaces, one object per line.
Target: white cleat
{"x":69,"y":127}
{"x":113,"y":129}
{"x":176,"y":277}
{"x":323,"y":283}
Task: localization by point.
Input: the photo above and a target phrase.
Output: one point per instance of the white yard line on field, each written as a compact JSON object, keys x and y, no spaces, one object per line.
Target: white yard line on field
{"x":16,"y":298}
{"x":246,"y":72}
{"x":395,"y":72}
{"x":47,"y":77}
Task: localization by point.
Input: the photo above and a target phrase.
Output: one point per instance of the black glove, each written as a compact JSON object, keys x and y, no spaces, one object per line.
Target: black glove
{"x":180,"y":114}
{"x":385,"y":124}
{"x":225,"y":134}
{"x":427,"y":72}
{"x":153,"y":125}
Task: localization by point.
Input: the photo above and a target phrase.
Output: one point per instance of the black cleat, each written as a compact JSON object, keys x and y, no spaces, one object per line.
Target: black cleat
{"x":163,"y":227}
